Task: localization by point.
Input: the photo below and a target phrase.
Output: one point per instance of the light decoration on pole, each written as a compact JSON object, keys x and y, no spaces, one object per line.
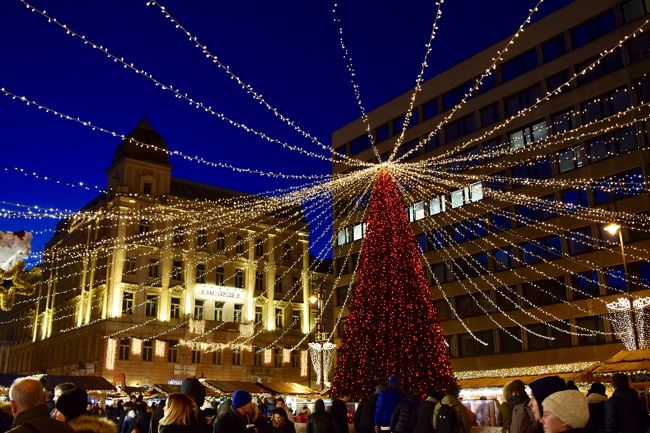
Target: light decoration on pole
{"x":111,"y":350}
{"x":315,"y":353}
{"x":160,"y":348}
{"x":136,"y":346}
{"x":304,"y":363}
{"x":627,"y":320}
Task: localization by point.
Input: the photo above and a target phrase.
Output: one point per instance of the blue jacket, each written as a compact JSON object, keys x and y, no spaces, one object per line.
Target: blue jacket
{"x":387,"y":401}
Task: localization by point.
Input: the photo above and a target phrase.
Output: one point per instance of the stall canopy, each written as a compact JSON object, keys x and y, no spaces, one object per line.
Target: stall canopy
{"x":288,"y":388}
{"x":89,"y":383}
{"x":626,"y":361}
{"x":228,"y":387}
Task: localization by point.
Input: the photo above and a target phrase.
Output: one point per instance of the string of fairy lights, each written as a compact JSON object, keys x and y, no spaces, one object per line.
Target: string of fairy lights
{"x":284,"y":214}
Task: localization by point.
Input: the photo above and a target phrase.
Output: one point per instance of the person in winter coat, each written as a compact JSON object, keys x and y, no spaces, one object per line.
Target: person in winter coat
{"x":400,"y":421}
{"x":194,"y":389}
{"x":239,"y":418}
{"x":624,"y":411}
{"x":542,"y":388}
{"x":94,"y":424}
{"x":28,"y":407}
{"x":156,"y":416}
{"x":319,"y":421}
{"x":451,"y":399}
{"x":565,"y":411}
{"x":339,"y":411}
{"x":387,"y":400}
{"x":130,"y":420}
{"x":597,"y":398}
{"x":422,"y":417}
{"x":280,"y":422}
{"x":522,"y":420}
{"x":505,"y":409}
{"x":71,"y":404}
{"x":364,"y":416}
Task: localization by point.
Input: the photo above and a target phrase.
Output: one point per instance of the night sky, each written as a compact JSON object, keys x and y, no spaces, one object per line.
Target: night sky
{"x":288,"y":50}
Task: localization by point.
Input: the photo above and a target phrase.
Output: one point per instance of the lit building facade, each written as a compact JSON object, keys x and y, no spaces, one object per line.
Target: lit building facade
{"x":163,"y":278}
{"x":603,"y":137}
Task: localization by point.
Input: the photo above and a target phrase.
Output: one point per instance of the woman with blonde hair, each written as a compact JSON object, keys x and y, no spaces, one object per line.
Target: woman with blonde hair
{"x":180,"y":415}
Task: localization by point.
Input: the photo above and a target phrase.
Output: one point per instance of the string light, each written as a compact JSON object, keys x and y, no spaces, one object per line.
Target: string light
{"x":159,"y":348}
{"x":111,"y":349}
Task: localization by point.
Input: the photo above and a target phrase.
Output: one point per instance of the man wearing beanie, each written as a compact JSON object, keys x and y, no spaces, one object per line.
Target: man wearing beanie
{"x":195,"y":390}
{"x":72,"y":403}
{"x":387,"y":400}
{"x":565,"y":411}
{"x":522,"y":419}
{"x":239,"y":416}
{"x":597,"y":398}
{"x":624,"y":411}
{"x":542,"y":388}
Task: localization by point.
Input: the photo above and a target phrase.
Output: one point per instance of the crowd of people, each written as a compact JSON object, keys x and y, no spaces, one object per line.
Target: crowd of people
{"x":554,"y":406}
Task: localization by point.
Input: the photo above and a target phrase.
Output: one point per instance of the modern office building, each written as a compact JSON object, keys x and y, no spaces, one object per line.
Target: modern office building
{"x":162,"y":278}
{"x":485,"y":251}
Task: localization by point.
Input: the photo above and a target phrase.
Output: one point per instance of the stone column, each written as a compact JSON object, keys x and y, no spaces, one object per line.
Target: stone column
{"x":304,"y":281}
{"x":251,"y":268}
{"x":270,"y":285}
{"x":91,"y":289}
{"x":166,"y":265}
{"x":189,"y":277}
{"x":114,"y":283}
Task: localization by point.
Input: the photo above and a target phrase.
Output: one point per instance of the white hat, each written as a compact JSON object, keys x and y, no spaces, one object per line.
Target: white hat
{"x":570,"y":406}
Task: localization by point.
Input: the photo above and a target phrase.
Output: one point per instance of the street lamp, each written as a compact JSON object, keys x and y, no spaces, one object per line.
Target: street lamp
{"x":318,"y":300}
{"x":612,"y":229}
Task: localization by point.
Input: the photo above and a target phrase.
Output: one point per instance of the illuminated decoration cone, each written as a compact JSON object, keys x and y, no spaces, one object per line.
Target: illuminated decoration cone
{"x":392,"y":325}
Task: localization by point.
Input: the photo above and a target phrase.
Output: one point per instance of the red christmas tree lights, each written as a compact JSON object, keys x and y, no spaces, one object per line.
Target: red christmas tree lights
{"x":392,"y":325}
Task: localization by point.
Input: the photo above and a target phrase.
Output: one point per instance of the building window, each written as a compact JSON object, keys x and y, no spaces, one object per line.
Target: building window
{"x":172,"y":351}
{"x":196,"y":356}
{"x":127,"y":303}
{"x":490,"y":115}
{"x":257,"y":356}
{"x":593,"y":29}
{"x":559,"y":79}
{"x":430,"y":109}
{"x":461,"y":127}
{"x":360,"y":144}
{"x":286,"y":254}
{"x":259,"y":314}
{"x":562,"y":339}
{"x":153,"y":268}
{"x":239,"y":278}
{"x":145,"y":226}
{"x":130,"y":265}
{"x":585,"y":285}
{"x":146,"y":188}
{"x":259,"y":281}
{"x":571,"y":159}
{"x":606,"y":105}
{"x":295,"y":318}
{"x":200,"y":273}
{"x":178,"y":235}
{"x":564,"y":121}
{"x":278,"y":285}
{"x":610,"y":145}
{"x":504,"y":258}
{"x":218,"y":311}
{"x":201,"y":239}
{"x":217,"y":358}
{"x":528,"y":135}
{"x":279,"y":318}
{"x":633,"y":9}
{"x":147,"y":350}
{"x":221,"y":242}
{"x":595,"y":324}
{"x":553,"y":48}
{"x":177,"y":270}
{"x":152,"y":305}
{"x":295,"y":359}
{"x":468,"y":346}
{"x":198,"y":309}
{"x":236,"y":356}
{"x":508,"y":343}
{"x":277,"y":357}
{"x":519,"y":65}
{"x":237,"y":313}
{"x":220,"y":275}
{"x":239,"y":245}
{"x":579,"y":240}
{"x":259,"y":248}
{"x":522,"y":100}
{"x":175,"y":311}
{"x":125,"y":349}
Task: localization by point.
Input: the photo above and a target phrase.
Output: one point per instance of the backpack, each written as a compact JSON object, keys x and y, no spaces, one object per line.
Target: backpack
{"x":447,"y":420}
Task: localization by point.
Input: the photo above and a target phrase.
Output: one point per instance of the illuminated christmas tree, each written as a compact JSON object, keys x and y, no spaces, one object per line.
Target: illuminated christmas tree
{"x":392,"y":325}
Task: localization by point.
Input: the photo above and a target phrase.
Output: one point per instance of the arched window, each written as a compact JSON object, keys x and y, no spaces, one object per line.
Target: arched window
{"x":239,"y":245}
{"x":259,"y":248}
{"x":286,"y":254}
{"x":221,"y":242}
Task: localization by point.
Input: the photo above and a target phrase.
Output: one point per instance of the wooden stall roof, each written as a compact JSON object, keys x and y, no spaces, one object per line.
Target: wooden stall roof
{"x":626,"y":361}
{"x":167,"y":389}
{"x":89,"y":383}
{"x":488,"y":382}
{"x":228,"y":387}
{"x":288,"y":388}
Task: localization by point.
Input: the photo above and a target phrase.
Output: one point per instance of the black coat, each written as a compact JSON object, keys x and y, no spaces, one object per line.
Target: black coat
{"x":596,"y":422}
{"x":320,"y":422}
{"x":287,"y":427}
{"x":39,"y":417}
{"x":175,"y":428}
{"x":400,"y":421}
{"x":339,"y":411}
{"x":230,"y":422}
{"x":364,"y":417}
{"x":422,"y":418}
{"x":624,"y":413}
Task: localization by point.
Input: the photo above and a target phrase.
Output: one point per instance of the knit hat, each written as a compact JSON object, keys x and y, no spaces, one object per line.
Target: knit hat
{"x":570,"y":406}
{"x":597,"y":388}
{"x":72,"y":403}
{"x":241,"y":398}
{"x":194,"y":389}
{"x":393,"y":380}
{"x":280,"y":411}
{"x":545,"y":386}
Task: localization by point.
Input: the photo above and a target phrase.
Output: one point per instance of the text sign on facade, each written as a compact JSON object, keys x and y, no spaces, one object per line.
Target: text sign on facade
{"x":220,"y":293}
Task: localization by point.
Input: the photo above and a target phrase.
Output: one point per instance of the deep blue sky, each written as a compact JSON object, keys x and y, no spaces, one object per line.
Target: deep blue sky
{"x":287,"y":49}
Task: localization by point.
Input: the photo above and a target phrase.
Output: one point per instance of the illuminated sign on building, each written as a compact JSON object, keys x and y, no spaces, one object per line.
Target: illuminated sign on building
{"x":221,"y":293}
